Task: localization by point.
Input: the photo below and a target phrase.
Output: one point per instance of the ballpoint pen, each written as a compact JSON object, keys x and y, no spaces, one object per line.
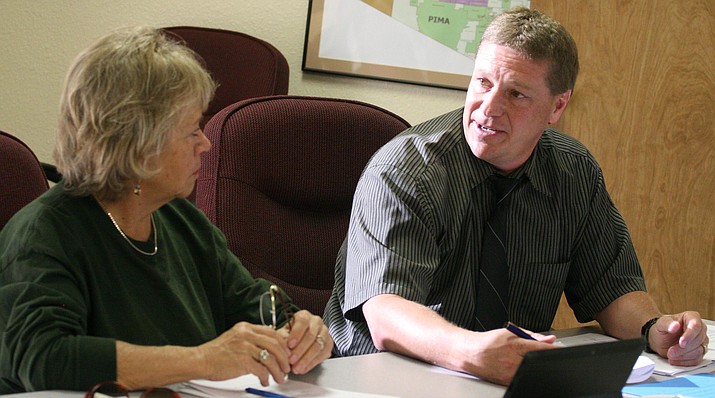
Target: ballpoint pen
{"x":517,"y":331}
{"x":262,"y":393}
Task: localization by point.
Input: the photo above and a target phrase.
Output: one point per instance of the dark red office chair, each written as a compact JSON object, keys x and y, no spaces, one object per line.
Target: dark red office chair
{"x":244,"y":66}
{"x":279,"y":182}
{"x":21,"y":174}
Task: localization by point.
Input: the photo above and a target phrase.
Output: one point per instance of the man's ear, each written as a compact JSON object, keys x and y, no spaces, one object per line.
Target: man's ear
{"x":561,"y":101}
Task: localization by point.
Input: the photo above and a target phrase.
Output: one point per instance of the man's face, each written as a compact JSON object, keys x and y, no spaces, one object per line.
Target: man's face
{"x":508,"y":106}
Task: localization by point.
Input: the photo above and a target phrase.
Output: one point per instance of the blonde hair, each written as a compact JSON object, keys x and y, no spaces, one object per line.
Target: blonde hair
{"x":539,"y":37}
{"x":121,"y":97}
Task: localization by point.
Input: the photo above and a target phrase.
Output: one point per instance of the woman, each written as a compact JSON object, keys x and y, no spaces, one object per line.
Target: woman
{"x":112,"y":274}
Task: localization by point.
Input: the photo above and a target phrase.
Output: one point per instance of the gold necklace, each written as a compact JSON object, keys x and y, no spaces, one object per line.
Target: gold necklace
{"x":153,"y":224}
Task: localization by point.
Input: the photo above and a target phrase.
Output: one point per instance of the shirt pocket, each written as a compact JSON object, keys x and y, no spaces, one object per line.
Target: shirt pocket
{"x":535,"y":293}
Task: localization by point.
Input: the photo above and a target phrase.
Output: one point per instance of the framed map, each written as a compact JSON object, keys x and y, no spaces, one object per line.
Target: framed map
{"x":425,"y":42}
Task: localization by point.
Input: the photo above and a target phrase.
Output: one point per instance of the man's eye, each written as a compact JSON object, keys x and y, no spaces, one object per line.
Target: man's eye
{"x":482,"y":83}
{"x":517,"y":94}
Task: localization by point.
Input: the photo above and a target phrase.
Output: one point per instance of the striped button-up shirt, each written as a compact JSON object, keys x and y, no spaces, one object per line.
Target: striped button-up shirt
{"x":416,"y":230}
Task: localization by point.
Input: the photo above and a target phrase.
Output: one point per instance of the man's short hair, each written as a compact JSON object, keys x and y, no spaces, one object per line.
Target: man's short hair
{"x":540,"y":38}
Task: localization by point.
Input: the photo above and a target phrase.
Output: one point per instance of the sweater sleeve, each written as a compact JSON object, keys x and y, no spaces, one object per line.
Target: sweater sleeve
{"x":44,"y":344}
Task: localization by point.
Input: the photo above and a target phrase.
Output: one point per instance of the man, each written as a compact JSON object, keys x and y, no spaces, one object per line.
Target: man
{"x":412,"y":271}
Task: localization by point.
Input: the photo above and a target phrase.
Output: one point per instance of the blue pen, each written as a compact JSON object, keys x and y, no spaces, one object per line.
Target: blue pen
{"x":517,"y":331}
{"x":262,"y":393}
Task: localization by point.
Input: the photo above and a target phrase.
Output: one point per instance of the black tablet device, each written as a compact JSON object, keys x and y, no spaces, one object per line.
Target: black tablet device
{"x":597,"y":370}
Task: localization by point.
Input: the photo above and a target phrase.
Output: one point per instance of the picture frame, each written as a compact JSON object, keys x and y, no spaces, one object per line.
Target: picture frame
{"x":366,"y":38}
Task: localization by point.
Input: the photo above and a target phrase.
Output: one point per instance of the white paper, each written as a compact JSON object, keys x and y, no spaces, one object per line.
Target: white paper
{"x":236,"y":384}
{"x":642,"y":370}
{"x":662,"y":367}
{"x":236,"y":388}
{"x":583,"y":339}
{"x":710,"y":355}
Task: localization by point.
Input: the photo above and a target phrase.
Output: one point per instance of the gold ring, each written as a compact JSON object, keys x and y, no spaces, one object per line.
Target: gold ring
{"x":705,"y":348}
{"x":264,"y":355}
{"x":319,"y":340}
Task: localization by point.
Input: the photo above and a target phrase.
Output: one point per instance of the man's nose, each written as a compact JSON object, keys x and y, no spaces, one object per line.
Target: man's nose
{"x":493,"y":104}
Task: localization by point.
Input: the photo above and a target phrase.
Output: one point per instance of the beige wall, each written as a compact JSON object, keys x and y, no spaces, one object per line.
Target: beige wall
{"x":39,"y":39}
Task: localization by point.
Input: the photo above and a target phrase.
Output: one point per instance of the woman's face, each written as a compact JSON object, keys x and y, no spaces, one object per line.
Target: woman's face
{"x":180,"y":160}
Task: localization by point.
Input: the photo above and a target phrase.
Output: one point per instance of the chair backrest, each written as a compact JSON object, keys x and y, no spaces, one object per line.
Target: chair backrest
{"x":21,"y":174}
{"x":244,"y":66}
{"x":279,"y":182}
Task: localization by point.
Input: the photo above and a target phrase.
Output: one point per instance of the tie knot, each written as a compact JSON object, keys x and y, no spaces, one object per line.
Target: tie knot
{"x":503,"y":185}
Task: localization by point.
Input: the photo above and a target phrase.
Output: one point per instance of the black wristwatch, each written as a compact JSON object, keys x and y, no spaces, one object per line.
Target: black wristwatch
{"x":645,"y":330}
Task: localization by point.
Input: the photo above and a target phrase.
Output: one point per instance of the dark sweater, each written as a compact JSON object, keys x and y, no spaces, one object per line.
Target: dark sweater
{"x":70,"y":286}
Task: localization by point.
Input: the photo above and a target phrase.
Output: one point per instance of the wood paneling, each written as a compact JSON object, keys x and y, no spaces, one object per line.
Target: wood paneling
{"x":644,"y":104}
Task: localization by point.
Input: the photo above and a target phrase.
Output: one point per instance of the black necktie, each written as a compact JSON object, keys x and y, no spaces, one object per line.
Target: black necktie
{"x":493,"y":287}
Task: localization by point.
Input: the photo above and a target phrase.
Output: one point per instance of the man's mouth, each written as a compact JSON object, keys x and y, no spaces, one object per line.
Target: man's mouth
{"x":488,"y":130}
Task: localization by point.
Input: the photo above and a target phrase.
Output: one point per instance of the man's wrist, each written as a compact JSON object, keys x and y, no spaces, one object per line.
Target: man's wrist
{"x":645,"y":332}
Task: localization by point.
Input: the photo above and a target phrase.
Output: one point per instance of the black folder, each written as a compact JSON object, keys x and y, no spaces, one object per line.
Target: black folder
{"x":597,"y":370}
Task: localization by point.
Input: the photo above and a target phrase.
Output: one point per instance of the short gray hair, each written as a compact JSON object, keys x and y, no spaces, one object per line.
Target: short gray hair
{"x":539,"y":37}
{"x":121,"y":97}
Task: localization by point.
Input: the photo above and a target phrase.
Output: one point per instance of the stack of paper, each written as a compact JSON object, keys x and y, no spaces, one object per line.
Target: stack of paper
{"x":663,"y":367}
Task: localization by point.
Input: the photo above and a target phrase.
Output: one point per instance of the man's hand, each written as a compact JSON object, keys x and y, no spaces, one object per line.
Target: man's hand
{"x":412,"y":329}
{"x":682,"y":338}
{"x":496,"y":355}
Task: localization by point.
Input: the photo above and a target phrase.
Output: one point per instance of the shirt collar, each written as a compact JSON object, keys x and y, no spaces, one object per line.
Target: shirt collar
{"x":531,"y":169}
{"x":534,"y":170}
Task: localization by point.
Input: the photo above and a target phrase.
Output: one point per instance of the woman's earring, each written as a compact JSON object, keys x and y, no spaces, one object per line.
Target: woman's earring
{"x":137,"y":188}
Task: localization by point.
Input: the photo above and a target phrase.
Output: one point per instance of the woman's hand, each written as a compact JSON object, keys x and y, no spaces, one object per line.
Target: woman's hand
{"x":238,"y":351}
{"x":308,"y":341}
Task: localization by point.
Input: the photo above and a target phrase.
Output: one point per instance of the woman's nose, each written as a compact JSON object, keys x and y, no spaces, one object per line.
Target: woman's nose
{"x":205,"y":144}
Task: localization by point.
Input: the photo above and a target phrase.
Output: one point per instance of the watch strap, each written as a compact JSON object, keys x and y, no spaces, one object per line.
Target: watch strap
{"x":645,"y":331}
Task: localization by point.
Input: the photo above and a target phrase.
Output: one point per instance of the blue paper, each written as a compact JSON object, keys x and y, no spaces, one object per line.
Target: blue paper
{"x":699,"y":385}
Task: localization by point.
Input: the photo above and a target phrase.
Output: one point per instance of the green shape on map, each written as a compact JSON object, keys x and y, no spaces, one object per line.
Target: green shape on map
{"x":458,"y":26}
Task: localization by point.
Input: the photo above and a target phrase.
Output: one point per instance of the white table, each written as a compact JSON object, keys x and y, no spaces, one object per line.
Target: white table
{"x":392,"y":374}
{"x":385,"y":374}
